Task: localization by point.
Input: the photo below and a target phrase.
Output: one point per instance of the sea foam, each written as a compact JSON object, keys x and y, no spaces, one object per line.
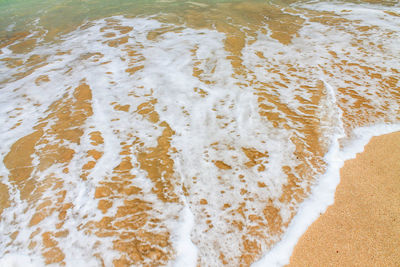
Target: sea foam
{"x":193,"y":152}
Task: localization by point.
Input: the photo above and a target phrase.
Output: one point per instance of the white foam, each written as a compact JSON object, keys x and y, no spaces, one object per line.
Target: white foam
{"x":19,"y":260}
{"x":186,"y":251}
{"x":215,"y":127}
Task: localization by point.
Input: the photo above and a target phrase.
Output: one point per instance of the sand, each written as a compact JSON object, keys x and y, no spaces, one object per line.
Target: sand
{"x":362,"y":228}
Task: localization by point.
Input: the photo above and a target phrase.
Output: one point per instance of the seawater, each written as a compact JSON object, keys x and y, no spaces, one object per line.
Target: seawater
{"x":183,"y":133}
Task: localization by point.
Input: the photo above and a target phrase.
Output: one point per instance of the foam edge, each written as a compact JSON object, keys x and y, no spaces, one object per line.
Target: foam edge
{"x":322,"y":194}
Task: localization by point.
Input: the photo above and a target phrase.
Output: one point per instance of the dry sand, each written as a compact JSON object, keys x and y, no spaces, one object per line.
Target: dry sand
{"x":362,"y":228}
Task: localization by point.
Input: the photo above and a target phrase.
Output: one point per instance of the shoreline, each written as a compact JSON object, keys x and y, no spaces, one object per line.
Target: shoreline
{"x":362,"y":227}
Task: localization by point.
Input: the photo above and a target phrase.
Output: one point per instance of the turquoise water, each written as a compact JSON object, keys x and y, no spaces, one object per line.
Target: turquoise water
{"x":64,"y":14}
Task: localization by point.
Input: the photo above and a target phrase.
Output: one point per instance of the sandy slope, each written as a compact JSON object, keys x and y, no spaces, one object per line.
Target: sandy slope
{"x":362,"y":228}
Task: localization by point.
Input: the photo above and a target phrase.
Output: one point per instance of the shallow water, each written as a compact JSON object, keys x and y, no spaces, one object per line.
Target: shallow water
{"x":179,"y":133}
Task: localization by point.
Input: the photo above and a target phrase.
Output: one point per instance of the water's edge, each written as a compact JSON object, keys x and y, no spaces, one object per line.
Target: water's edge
{"x":322,"y":194}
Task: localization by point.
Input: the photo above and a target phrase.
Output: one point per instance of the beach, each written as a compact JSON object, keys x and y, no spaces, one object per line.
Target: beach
{"x":362,"y":227}
{"x":188,"y":133}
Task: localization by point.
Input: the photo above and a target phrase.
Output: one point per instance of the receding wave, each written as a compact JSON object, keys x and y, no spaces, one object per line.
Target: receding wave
{"x":152,"y":140}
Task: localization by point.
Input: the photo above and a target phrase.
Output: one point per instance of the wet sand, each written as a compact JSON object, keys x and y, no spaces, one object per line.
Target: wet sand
{"x":362,"y":228}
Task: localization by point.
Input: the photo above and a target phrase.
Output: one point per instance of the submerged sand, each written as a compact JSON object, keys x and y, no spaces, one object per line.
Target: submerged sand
{"x":362,"y":227}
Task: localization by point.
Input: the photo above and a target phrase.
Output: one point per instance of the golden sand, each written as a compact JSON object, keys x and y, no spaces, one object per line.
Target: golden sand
{"x":362,"y":228}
